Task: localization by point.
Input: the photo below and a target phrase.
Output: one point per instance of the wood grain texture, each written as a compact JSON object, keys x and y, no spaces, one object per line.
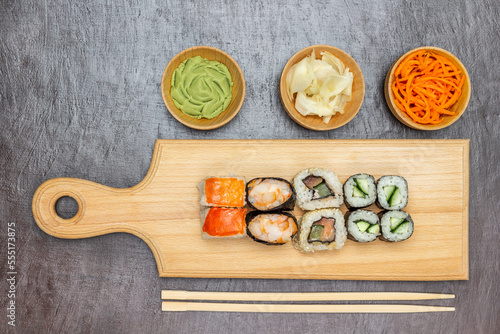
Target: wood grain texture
{"x":298,"y":296}
{"x":80,"y":97}
{"x":163,"y":209}
{"x":298,"y":308}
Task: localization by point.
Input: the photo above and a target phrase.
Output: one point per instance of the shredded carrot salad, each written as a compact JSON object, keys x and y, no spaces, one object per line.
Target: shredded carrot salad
{"x":426,"y":85}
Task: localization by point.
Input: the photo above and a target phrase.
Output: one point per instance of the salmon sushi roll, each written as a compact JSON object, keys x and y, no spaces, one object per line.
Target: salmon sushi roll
{"x":319,"y":230}
{"x":223,"y":191}
{"x":266,"y":194}
{"x":223,"y":223}
{"x":318,"y":188}
{"x":271,"y":228}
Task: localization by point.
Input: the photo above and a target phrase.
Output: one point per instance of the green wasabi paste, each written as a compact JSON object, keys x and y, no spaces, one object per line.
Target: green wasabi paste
{"x":201,"y":88}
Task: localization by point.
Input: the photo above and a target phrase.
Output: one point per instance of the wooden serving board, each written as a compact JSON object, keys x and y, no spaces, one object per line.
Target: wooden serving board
{"x":163,"y":209}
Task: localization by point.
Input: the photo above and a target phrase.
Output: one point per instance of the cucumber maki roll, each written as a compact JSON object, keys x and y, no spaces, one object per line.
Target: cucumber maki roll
{"x":266,"y":194}
{"x":363,"y":225}
{"x":319,"y":230}
{"x":318,"y":188}
{"x":271,"y":228}
{"x":392,"y":192}
{"x":396,"y":226}
{"x":360,"y":191}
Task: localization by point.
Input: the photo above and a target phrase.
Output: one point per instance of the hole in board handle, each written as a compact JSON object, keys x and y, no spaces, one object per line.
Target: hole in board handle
{"x":66,"y":207}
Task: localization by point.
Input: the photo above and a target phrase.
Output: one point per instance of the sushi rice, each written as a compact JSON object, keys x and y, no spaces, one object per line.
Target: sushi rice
{"x":360,"y":191}
{"x":307,"y":199}
{"x":392,"y":192}
{"x":301,"y":239}
{"x":396,"y":226}
{"x":266,"y":194}
{"x":363,"y":225}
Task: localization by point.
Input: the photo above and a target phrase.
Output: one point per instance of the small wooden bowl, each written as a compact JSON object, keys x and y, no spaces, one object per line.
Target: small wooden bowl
{"x":238,"y":89}
{"x":351,"y":109}
{"x":459,"y":106}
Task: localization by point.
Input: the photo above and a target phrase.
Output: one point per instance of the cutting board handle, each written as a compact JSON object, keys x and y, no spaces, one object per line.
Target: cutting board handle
{"x":101,"y":209}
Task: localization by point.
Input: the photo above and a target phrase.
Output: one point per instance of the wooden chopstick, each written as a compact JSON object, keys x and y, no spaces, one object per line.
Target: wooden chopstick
{"x":298,"y":296}
{"x":297,"y":308}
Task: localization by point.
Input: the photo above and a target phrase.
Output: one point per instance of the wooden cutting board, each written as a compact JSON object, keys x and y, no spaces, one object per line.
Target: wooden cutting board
{"x":163,"y":209}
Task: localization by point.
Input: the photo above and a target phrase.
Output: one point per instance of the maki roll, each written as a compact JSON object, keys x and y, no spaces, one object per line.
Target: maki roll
{"x":266,"y":194}
{"x":318,"y":188}
{"x":360,"y":191}
{"x":396,"y":226}
{"x":271,"y":228}
{"x":322,"y":229}
{"x":363,"y":225}
{"x":222,"y":191}
{"x":392,"y":192}
{"x":223,"y":223}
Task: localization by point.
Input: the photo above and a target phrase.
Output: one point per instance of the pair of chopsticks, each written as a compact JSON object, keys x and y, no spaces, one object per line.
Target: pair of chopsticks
{"x":184,"y":302}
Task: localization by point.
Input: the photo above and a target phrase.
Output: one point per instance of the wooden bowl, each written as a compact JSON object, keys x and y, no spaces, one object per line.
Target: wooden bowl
{"x":351,"y":109}
{"x":238,"y":89}
{"x":459,"y":106}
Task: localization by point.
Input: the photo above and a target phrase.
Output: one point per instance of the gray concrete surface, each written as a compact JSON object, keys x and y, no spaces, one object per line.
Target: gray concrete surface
{"x":80,"y":97}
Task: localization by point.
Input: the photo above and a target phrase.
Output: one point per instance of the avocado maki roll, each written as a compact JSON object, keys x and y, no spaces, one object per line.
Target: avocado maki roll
{"x":392,"y":192}
{"x":360,"y":191}
{"x":318,"y":188}
{"x":319,"y":230}
{"x":266,"y":194}
{"x":396,"y":226}
{"x":363,"y":225}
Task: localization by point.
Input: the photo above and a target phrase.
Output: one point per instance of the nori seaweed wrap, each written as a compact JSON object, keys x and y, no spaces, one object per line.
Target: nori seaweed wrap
{"x":271,"y":228}
{"x":395,"y":225}
{"x":392,"y":192}
{"x":270,"y":194}
{"x":360,"y":191}
{"x":362,"y":225}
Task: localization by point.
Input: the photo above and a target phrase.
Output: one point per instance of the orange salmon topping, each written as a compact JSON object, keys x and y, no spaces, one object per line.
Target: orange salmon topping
{"x":227,"y":191}
{"x":222,"y":222}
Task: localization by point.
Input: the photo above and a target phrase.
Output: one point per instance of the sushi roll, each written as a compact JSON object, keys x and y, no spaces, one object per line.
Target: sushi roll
{"x":360,"y":191}
{"x":223,"y":223}
{"x":271,"y":228}
{"x":392,"y":192}
{"x":223,"y":191}
{"x":319,"y":230}
{"x":363,"y":225}
{"x":266,"y":194}
{"x":318,"y":188}
{"x":396,"y":226}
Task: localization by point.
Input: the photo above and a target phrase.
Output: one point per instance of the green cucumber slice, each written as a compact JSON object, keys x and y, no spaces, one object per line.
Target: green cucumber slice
{"x":374,"y":229}
{"x":323,"y":190}
{"x":362,"y":185}
{"x":396,"y":198}
{"x":316,"y":231}
{"x":356,"y":192}
{"x":388,"y":191}
{"x":395,"y":222}
{"x":402,"y":228}
{"x":362,"y":226}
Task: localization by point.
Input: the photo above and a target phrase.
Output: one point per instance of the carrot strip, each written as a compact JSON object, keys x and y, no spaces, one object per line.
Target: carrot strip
{"x":426,"y":85}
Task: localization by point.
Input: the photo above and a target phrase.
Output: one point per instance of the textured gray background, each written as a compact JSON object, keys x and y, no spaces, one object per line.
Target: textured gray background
{"x":80,"y":97}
